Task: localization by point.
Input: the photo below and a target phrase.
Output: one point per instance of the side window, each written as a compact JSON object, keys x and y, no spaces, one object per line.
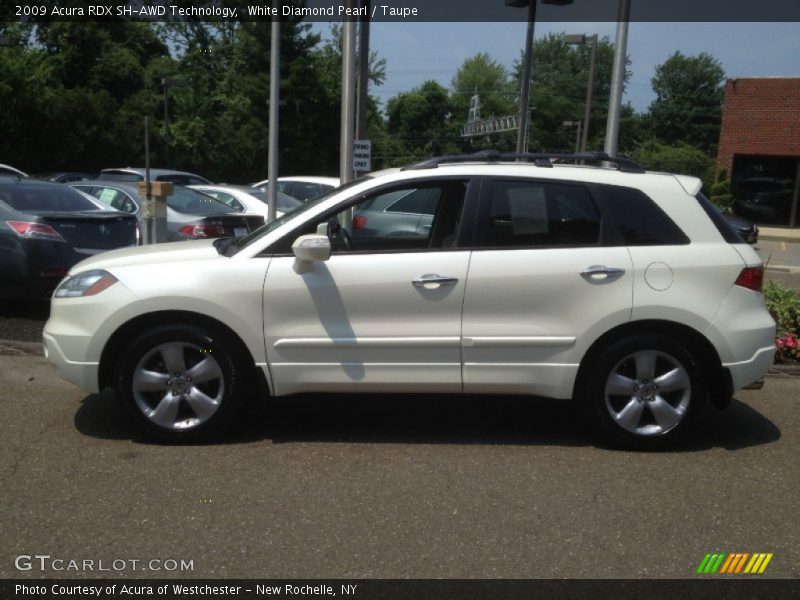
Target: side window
{"x":639,"y":219}
{"x":531,"y":214}
{"x":116,"y":199}
{"x":422,"y":202}
{"x":368,"y":226}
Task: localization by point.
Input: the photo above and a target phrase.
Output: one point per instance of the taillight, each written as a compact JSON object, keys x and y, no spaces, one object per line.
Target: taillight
{"x":752,"y":278}
{"x":203,"y":231}
{"x":39,"y":231}
{"x":359,"y":222}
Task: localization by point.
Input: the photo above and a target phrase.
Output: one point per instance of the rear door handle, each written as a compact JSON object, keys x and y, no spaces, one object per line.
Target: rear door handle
{"x":433,"y":280}
{"x":598,"y":272}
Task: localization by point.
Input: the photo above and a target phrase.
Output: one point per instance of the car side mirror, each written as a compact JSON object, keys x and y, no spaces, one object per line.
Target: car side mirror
{"x":310,"y":248}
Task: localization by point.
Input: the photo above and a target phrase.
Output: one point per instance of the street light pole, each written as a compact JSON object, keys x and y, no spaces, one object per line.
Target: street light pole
{"x":348,"y":98}
{"x":525,"y":89}
{"x":165,"y":83}
{"x":526,"y":80}
{"x":587,"y":115}
{"x":617,"y":78}
{"x":274,"y":104}
{"x":581,"y":39}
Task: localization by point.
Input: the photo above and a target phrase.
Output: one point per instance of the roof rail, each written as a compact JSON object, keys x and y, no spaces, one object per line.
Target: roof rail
{"x":543,"y":159}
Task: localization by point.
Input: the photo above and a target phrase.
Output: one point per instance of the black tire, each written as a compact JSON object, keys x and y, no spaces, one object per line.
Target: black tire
{"x":179,"y":408}
{"x":657,"y":411}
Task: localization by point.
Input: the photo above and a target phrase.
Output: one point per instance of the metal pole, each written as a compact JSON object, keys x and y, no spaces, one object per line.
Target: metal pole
{"x":795,"y":197}
{"x":166,"y":125}
{"x":348,"y":99}
{"x":363,"y":74}
{"x":587,"y":115}
{"x":274,"y":100}
{"x":578,"y":138}
{"x":526,"y":80}
{"x":149,"y":217}
{"x":617,"y":78}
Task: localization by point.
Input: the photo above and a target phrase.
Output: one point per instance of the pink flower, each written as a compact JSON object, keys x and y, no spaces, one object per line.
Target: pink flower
{"x":780,"y":343}
{"x":791,"y":343}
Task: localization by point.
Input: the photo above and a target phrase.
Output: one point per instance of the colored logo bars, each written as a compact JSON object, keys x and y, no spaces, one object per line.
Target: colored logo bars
{"x":733,"y":563}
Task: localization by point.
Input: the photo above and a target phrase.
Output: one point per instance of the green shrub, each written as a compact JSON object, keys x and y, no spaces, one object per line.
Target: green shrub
{"x":783,"y":304}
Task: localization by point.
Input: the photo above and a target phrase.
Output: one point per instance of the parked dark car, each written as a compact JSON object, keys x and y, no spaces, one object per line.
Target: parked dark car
{"x":45,"y":228}
{"x":743,"y":226}
{"x":64,"y":176}
{"x":190,"y":214}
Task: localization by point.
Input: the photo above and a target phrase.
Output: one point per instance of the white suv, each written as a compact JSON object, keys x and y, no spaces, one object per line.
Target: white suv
{"x":622,"y":289}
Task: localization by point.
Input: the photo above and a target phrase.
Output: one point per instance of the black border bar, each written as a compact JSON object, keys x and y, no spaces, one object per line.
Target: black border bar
{"x":711,"y":588}
{"x":399,"y":11}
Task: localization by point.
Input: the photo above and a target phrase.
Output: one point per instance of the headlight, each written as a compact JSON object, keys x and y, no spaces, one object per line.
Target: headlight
{"x":85,"y":284}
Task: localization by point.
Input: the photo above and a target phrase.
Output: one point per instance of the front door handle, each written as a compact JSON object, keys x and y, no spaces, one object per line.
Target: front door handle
{"x":600,"y":272}
{"x":431,"y":280}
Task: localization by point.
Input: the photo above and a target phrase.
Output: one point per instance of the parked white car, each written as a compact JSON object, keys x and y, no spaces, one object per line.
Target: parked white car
{"x":247,"y":199}
{"x":623,"y":289}
{"x":302,"y":187}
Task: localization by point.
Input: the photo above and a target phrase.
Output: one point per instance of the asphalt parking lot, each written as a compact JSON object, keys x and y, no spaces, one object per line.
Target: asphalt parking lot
{"x":389,"y":487}
{"x":385,"y":487}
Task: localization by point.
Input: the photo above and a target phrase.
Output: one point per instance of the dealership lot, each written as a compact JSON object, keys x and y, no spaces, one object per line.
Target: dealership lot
{"x":390,"y":487}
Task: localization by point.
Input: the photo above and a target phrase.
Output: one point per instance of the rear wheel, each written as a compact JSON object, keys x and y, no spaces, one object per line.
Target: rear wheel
{"x":180,"y":382}
{"x":644,"y":392}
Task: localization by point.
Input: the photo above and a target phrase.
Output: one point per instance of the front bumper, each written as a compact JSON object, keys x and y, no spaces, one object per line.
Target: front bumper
{"x":82,"y":374}
{"x":78,"y":329}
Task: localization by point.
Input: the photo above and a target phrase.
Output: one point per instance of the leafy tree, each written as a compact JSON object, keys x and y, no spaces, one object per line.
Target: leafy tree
{"x":491,"y":81}
{"x":680,"y":158}
{"x":558,"y":91}
{"x":688,"y":104}
{"x":418,"y":119}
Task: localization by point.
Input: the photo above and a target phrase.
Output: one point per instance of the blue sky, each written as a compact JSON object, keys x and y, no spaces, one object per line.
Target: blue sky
{"x":415,"y":52}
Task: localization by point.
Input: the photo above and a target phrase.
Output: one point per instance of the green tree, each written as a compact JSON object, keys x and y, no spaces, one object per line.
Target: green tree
{"x":680,"y":158}
{"x":418,"y":120}
{"x":558,"y":92}
{"x":688,"y":104}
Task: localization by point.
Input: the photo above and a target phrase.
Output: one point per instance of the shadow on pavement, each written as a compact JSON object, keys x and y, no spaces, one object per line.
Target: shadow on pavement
{"x":23,"y":321}
{"x":419,"y":419}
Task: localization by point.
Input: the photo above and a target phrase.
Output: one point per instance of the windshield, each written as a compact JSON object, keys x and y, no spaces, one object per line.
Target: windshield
{"x":245,"y":241}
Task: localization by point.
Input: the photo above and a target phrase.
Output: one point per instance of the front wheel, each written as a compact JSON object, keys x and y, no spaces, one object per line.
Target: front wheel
{"x":644,"y":391}
{"x":180,"y":382}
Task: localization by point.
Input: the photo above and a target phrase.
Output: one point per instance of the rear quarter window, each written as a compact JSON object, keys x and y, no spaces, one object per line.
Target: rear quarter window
{"x":44,"y":198}
{"x":189,"y":201}
{"x":726,"y":230}
{"x":640,"y":221}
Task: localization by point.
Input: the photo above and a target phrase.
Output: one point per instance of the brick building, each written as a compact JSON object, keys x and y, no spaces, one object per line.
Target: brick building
{"x":759,"y":147}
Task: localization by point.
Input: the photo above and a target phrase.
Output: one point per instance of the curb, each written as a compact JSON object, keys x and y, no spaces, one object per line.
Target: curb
{"x":18,"y":348}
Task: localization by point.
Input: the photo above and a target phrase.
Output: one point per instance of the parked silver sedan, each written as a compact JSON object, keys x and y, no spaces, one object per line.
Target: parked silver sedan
{"x":190,"y":214}
{"x":247,"y":199}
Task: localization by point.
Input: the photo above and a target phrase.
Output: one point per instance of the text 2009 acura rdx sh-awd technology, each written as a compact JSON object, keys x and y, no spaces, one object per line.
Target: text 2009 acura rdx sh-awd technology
{"x":623,"y":289}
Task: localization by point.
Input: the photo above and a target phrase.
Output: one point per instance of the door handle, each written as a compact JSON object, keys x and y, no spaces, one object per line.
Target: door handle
{"x":597,"y":272}
{"x":431,"y":279}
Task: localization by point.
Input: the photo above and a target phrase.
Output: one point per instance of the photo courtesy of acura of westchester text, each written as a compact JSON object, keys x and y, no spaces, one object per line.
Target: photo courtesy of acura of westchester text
{"x":350,"y":298}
